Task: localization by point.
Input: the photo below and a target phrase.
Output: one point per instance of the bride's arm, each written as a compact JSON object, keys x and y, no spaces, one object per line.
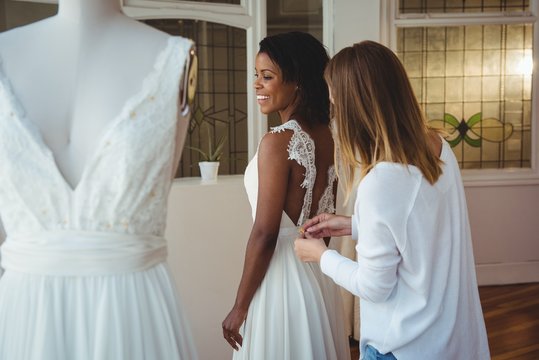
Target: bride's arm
{"x":273,"y":173}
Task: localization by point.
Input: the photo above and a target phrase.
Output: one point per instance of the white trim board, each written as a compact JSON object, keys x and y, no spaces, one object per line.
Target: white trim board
{"x":507,"y":273}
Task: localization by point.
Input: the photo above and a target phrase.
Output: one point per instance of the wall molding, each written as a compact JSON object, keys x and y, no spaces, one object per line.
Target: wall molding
{"x":507,"y":273}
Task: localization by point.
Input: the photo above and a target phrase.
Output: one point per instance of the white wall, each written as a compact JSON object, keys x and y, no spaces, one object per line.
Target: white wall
{"x":505,"y":233}
{"x":355,"y":21}
{"x":208,"y":227}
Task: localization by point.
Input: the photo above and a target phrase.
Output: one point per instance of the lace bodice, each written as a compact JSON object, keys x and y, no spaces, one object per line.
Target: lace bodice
{"x":300,"y":149}
{"x":125,"y":183}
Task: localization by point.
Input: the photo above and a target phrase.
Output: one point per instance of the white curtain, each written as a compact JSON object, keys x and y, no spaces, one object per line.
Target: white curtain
{"x":2,"y":238}
{"x":347,"y":247}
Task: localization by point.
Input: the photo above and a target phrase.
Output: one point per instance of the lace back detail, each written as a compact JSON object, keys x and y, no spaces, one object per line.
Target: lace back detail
{"x":327,"y":201}
{"x":301,"y":149}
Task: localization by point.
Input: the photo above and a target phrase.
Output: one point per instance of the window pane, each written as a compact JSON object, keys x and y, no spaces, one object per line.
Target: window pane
{"x":475,"y":82}
{"x":293,"y":15}
{"x":18,"y":13}
{"x":220,"y":106}
{"x":235,"y":2}
{"x":456,"y":6}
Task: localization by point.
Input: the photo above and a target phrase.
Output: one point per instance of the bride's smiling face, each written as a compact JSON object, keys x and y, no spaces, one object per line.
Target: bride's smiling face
{"x":272,"y":93}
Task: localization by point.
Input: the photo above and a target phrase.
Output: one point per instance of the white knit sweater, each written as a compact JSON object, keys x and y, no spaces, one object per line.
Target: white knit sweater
{"x":415,"y":272}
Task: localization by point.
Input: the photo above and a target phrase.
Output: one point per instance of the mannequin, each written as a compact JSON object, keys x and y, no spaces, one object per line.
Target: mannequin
{"x":61,"y":67}
{"x":90,"y":136}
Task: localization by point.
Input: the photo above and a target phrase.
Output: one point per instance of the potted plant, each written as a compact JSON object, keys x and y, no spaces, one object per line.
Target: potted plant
{"x":210,"y":156}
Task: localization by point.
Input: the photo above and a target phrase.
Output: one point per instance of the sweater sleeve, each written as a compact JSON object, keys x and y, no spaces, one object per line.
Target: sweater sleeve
{"x":381,"y":211}
{"x":374,"y":275}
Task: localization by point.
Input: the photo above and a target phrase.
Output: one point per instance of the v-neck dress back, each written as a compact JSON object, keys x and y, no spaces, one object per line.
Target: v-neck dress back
{"x":85,"y":274}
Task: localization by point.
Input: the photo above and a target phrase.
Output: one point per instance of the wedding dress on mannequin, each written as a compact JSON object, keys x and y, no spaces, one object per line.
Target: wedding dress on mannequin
{"x":89,"y":142}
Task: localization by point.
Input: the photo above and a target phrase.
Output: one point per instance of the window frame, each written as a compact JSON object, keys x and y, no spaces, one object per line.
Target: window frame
{"x":390,"y":21}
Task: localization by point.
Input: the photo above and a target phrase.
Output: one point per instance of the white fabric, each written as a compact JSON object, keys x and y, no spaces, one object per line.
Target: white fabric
{"x":130,"y":311}
{"x":73,"y":253}
{"x":353,"y":236}
{"x":297,"y":312}
{"x":415,"y":273}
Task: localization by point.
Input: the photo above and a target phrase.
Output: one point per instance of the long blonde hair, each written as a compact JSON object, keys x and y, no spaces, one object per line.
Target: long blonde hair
{"x":376,"y":115}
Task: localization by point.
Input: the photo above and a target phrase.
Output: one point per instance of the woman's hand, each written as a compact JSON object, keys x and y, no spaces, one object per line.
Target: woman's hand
{"x":327,"y":225}
{"x":231,"y":327}
{"x":310,"y":249}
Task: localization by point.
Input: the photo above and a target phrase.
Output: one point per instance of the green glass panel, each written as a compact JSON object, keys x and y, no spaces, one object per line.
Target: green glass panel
{"x":482,"y":80}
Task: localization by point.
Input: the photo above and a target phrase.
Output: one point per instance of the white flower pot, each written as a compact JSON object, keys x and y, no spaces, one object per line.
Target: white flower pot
{"x":208,"y":170}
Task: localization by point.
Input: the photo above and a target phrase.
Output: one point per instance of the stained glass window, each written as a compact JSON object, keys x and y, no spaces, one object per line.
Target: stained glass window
{"x":460,"y":6}
{"x":475,"y":81}
{"x":235,"y":2}
{"x":220,"y":107}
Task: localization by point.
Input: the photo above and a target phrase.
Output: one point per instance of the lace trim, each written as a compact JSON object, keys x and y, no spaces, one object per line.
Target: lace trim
{"x":327,"y":201}
{"x":301,"y":149}
{"x":133,"y":201}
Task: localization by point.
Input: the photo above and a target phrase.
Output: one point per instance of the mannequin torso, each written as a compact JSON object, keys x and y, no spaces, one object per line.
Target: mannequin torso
{"x":74,"y":72}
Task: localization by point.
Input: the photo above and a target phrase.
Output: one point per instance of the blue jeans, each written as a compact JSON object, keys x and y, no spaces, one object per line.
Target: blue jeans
{"x":372,"y":354}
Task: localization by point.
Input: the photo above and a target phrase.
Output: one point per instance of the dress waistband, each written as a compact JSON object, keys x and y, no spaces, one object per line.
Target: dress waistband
{"x":289,"y":233}
{"x":78,"y":253}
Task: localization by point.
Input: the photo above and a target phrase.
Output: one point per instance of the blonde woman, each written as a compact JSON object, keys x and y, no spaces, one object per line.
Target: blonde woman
{"x":415,"y":271}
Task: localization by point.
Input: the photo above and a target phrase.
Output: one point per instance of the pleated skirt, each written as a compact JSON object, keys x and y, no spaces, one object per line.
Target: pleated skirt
{"x":296,"y":313}
{"x":135,"y":316}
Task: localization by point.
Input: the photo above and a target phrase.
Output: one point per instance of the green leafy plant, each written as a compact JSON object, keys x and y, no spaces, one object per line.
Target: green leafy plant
{"x":213,"y":152}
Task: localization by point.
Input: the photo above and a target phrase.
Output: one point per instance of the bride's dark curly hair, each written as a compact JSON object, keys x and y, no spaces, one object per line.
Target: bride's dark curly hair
{"x":302,"y":60}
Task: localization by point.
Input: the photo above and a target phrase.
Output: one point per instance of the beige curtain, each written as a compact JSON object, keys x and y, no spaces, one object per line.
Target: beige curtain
{"x":2,"y":238}
{"x":347,"y":247}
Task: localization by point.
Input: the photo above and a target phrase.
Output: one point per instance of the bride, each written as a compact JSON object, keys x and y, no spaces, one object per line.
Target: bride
{"x":288,"y":309}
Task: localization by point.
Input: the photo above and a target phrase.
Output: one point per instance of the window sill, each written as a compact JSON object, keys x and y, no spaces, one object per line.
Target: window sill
{"x":495,"y":177}
{"x":197,"y":181}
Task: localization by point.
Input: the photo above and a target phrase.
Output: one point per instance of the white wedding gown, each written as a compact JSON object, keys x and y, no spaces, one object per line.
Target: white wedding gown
{"x":85,"y":275}
{"x":297,"y":312}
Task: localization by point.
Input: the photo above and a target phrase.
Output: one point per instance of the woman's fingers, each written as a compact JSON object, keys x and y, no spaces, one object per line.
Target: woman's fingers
{"x":312,"y":222}
{"x":233,"y":338}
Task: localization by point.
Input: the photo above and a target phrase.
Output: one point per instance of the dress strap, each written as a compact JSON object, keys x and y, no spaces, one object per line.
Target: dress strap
{"x":301,"y":149}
